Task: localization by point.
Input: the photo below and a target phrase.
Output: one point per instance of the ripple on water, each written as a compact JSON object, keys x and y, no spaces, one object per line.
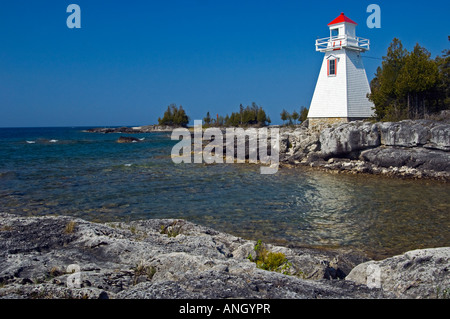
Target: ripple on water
{"x":98,"y":179}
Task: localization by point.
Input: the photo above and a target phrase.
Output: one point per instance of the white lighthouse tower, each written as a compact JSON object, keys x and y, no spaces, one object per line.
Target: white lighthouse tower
{"x":342,"y":87}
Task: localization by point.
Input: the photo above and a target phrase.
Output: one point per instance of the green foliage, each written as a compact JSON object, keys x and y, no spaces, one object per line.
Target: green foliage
{"x":173,"y":229}
{"x":268,"y":260}
{"x":303,"y":114}
{"x":143,"y":270}
{"x":174,"y":116}
{"x":253,"y":115}
{"x":410,"y":84}
{"x":292,"y":118}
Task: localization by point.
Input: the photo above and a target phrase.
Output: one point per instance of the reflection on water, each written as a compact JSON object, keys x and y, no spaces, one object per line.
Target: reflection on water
{"x":91,"y":176}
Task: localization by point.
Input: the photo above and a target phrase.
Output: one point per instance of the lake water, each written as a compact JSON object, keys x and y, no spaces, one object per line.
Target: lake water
{"x":69,"y":172}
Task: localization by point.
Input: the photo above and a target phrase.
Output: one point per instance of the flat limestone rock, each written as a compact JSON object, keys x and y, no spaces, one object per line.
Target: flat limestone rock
{"x":422,"y":273}
{"x":66,"y":257}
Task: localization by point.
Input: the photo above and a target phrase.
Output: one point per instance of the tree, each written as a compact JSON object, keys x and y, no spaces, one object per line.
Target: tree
{"x":182,"y":118}
{"x":295,"y":116}
{"x":303,"y":114}
{"x":207,"y":119}
{"x":284,"y":115}
{"x":410,"y":84}
{"x":174,"y":116}
{"x":383,"y":95}
{"x":261,"y":117}
{"x":418,"y":75}
{"x":250,"y":115}
{"x":441,"y":97}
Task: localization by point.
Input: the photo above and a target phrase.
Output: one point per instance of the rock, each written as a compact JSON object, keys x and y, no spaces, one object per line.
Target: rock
{"x":346,"y":138}
{"x":406,"y":133}
{"x":296,"y":144}
{"x":440,"y":138}
{"x":418,"y":158}
{"x":127,"y":139}
{"x":413,"y":149}
{"x":420,"y":273}
{"x":132,"y":130}
{"x":140,"y":260}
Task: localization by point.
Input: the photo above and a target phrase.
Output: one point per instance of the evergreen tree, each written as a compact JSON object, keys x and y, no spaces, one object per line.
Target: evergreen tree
{"x":410,"y":84}
{"x":295,"y":116}
{"x":207,"y":119}
{"x":384,"y":97}
{"x":303,"y":114}
{"x":174,"y":116}
{"x":284,"y":115}
{"x":261,"y":117}
{"x":441,"y":97}
{"x":418,"y":75}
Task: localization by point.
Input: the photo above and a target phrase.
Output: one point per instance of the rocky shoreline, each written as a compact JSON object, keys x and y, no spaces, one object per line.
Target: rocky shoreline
{"x":410,"y":149}
{"x":131,"y":130}
{"x":63,"y":257}
{"x":406,"y":149}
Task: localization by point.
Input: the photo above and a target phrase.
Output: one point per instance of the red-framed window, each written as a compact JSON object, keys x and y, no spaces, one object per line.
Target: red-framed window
{"x":332,"y":67}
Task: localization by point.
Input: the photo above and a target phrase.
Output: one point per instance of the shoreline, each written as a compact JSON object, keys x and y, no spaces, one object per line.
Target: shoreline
{"x":418,"y":149}
{"x":176,"y":259}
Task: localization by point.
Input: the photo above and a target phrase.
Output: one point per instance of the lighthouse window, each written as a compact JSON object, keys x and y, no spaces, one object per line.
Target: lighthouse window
{"x":331,"y":67}
{"x":334,"y":32}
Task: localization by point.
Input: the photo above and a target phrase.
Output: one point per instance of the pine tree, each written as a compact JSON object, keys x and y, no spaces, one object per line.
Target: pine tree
{"x":295,"y":116}
{"x":418,"y":75}
{"x":261,"y":118}
{"x":207,"y":119}
{"x":284,"y":115}
{"x":303,"y":114}
{"x":174,"y":116}
{"x":387,"y":103}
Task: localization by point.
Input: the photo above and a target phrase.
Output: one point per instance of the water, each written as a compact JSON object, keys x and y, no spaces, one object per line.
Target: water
{"x":70,"y":172}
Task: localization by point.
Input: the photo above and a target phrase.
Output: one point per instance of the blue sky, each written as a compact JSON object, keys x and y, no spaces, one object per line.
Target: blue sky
{"x":131,"y":59}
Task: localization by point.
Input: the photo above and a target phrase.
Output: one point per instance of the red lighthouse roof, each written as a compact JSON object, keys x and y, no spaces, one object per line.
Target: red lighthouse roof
{"x":342,"y":18}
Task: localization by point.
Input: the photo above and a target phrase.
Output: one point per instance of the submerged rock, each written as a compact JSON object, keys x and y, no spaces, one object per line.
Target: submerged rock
{"x":127,"y":139}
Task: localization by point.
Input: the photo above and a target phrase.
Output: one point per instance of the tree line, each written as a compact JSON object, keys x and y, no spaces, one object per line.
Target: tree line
{"x":174,"y":116}
{"x":253,"y":115}
{"x":294,"y":117}
{"x":410,"y":85}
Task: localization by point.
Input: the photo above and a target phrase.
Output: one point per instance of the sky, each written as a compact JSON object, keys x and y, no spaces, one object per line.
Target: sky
{"x":131,"y":59}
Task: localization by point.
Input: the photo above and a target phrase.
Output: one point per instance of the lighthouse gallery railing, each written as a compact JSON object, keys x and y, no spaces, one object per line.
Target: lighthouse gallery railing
{"x":331,"y":43}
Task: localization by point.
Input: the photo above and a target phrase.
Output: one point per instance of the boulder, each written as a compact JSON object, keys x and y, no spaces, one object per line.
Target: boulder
{"x":342,"y":140}
{"x":127,"y":139}
{"x":440,"y":137}
{"x":422,"y":273}
{"x":406,"y":133}
{"x":418,"y":157}
{"x":409,"y":133}
{"x":296,"y":144}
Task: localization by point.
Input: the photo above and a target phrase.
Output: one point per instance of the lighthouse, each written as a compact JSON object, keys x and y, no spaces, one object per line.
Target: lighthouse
{"x":341,"y":90}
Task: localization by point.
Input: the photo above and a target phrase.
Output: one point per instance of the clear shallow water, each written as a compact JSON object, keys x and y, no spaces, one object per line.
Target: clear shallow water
{"x":67,"y":171}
